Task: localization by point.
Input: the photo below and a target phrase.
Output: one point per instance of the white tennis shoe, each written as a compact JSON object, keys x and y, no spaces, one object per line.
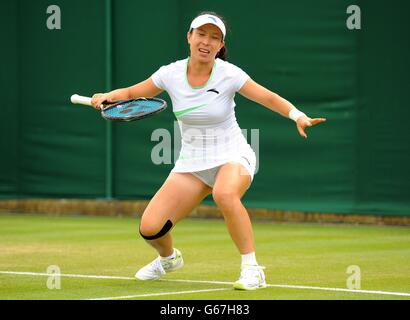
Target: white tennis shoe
{"x":252,"y":278}
{"x":157,"y":268}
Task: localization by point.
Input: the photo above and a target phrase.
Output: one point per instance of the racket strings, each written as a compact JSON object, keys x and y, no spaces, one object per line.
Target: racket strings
{"x":133,"y":108}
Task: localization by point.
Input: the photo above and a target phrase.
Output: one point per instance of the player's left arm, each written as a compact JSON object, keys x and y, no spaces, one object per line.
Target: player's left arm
{"x":259,"y":94}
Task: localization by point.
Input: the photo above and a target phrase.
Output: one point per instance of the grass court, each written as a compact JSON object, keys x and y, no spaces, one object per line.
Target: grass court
{"x":98,"y":257}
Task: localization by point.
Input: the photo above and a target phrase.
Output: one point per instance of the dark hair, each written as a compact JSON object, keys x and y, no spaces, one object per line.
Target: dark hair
{"x":223,"y":53}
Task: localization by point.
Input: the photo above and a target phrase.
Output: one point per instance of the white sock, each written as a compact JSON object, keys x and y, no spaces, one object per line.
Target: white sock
{"x":172,"y":256}
{"x":249,"y":259}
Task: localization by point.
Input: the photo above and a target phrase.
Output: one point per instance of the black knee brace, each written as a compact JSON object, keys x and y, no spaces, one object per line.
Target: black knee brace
{"x":167,"y":226}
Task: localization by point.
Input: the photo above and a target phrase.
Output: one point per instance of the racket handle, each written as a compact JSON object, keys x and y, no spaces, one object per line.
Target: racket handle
{"x":76,"y":99}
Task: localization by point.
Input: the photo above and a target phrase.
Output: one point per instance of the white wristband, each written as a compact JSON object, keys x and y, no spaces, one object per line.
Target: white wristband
{"x":294,"y":114}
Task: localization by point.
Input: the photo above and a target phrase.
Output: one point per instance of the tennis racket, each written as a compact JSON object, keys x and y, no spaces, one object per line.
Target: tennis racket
{"x":125,"y":110}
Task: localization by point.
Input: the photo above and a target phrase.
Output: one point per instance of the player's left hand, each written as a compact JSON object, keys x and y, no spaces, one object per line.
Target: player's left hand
{"x":304,"y":121}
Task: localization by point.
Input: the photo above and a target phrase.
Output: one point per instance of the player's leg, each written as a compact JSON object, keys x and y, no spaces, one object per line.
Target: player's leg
{"x":231,"y":183}
{"x":178,"y":196}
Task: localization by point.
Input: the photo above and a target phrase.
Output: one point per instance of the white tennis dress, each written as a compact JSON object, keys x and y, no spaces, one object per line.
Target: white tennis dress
{"x":210,"y":133}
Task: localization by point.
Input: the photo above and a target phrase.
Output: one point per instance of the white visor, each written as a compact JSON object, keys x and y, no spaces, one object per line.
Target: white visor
{"x":208,"y":18}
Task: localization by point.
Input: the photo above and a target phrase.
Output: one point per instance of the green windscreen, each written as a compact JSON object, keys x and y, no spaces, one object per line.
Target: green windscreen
{"x":357,"y":162}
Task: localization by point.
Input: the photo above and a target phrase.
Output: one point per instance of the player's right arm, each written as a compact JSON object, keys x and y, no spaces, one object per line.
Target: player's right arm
{"x":146,"y":88}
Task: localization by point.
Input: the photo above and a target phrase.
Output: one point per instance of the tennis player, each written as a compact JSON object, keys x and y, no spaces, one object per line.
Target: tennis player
{"x":215,"y":157}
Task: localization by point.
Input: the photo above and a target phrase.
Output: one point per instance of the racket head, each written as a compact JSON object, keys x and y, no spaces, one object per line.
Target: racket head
{"x":133,"y":109}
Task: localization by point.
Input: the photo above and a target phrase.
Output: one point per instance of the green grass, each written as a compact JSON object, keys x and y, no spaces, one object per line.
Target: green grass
{"x":293,"y":254}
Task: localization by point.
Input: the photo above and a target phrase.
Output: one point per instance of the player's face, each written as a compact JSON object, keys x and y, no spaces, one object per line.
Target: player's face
{"x":205,"y":42}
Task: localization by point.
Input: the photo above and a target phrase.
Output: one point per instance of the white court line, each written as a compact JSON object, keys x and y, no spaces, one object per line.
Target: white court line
{"x":64,"y":275}
{"x":404,"y":294}
{"x":160,"y":294}
{"x":303,"y":287}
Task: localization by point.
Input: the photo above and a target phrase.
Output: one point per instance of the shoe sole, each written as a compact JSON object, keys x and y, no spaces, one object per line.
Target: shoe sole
{"x":157,"y":278}
{"x":147,"y":279}
{"x":239,"y":286}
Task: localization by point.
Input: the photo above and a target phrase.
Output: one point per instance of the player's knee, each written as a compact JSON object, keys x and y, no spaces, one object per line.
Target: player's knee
{"x":224,"y":197}
{"x":154,"y":231}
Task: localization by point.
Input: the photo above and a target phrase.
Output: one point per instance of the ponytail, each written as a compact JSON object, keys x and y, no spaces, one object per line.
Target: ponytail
{"x":222,"y":54}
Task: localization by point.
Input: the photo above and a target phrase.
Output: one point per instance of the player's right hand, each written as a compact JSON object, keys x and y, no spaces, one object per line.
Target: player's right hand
{"x":98,"y":99}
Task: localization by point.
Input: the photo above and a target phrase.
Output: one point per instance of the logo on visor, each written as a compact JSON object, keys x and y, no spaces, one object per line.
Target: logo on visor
{"x":210,"y":17}
{"x":246,"y":160}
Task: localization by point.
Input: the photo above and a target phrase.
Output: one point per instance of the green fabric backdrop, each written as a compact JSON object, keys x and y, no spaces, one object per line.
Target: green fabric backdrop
{"x":358,"y":79}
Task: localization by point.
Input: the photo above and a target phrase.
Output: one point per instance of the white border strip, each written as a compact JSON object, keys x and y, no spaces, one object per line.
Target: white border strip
{"x":403,"y":294}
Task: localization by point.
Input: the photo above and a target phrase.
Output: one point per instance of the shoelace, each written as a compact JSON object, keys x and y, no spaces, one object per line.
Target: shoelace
{"x":251,"y":271}
{"x":166,"y":264}
{"x":157,"y":266}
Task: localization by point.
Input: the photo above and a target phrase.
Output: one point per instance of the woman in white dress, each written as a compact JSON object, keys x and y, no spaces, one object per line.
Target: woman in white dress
{"x":215,"y":157}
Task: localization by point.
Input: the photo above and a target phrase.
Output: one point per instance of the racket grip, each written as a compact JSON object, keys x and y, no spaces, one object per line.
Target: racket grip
{"x":76,"y":99}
